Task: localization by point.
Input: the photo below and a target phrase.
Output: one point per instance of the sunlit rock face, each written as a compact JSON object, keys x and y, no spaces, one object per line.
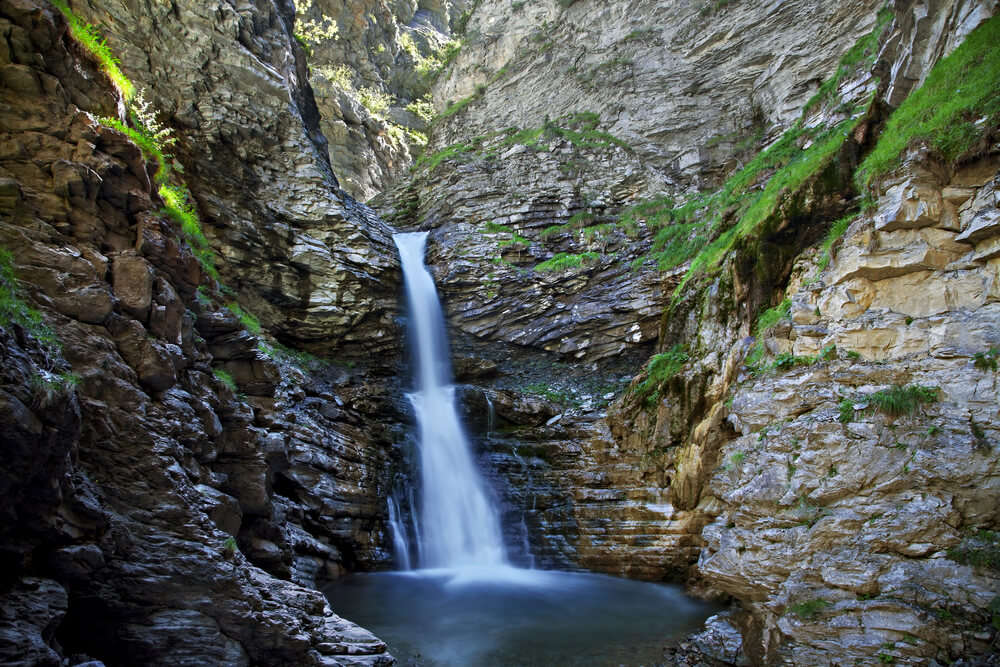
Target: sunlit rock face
{"x":748,"y":485}
{"x":314,"y":265}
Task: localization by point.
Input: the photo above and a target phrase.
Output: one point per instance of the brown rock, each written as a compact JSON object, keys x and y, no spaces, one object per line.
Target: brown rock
{"x":132,"y":281}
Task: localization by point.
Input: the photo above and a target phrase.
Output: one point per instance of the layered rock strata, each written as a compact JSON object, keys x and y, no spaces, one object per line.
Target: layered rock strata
{"x":317,"y":268}
{"x":173,"y":487}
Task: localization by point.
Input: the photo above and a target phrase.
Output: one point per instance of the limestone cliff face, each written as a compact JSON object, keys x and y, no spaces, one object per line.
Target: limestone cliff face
{"x":173,"y":487}
{"x":740,"y":469}
{"x":368,"y":62}
{"x":312,"y":264}
{"x":831,"y":469}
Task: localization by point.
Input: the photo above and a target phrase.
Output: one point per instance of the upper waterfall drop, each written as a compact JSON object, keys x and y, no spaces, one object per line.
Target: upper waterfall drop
{"x":460,"y":524}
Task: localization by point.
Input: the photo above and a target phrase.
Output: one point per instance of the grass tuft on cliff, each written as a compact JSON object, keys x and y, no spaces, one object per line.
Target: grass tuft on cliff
{"x":954,"y":110}
{"x":88,"y":37}
{"x":661,"y":367}
{"x":13,"y":309}
{"x":178,"y":206}
{"x":897,"y":401}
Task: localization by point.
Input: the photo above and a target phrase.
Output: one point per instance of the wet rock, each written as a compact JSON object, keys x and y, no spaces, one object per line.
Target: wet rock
{"x":30,"y":613}
{"x":471,"y":368}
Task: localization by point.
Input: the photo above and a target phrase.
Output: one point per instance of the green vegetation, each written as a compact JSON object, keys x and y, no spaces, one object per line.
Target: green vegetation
{"x":579,"y":129}
{"x":737,"y":458}
{"x":225,"y":378}
{"x":177,"y":205}
{"x":88,"y":37}
{"x":861,"y":55}
{"x":772,"y":316}
{"x":340,"y":76}
{"x":453,"y":107}
{"x":247,"y":319}
{"x":309,"y":31}
{"x":661,"y":367}
{"x":845,"y":409}
{"x":562,"y":261}
{"x":549,"y":393}
{"x":897,"y":401}
{"x":47,"y":386}
{"x":986,"y":361}
{"x":13,"y":309}
{"x":438,"y":60}
{"x":150,"y":136}
{"x":422,"y":109}
{"x":809,"y":609}
{"x":229,"y":547}
{"x":958,"y":105}
{"x":837,"y":230}
{"x":979,"y":548}
{"x":299,"y":358}
{"x":376,"y":101}
{"x":429,"y":162}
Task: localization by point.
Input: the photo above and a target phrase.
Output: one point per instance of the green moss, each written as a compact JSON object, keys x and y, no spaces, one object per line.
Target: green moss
{"x":562,"y":261}
{"x":246,"y":318}
{"x":14,"y":310}
{"x":897,"y":400}
{"x":92,"y":40}
{"x":956,"y":107}
{"x":225,"y":378}
{"x":809,"y":609}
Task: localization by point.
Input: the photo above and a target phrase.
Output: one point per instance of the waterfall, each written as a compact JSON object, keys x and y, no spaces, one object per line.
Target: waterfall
{"x":400,"y":540}
{"x":460,"y":525}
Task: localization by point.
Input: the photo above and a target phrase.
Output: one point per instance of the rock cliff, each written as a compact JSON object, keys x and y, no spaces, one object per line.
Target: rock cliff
{"x":586,"y":203}
{"x":174,"y":484}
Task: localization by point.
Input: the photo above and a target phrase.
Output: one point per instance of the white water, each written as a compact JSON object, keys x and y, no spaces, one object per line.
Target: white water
{"x":460,"y":525}
{"x":399,"y":537}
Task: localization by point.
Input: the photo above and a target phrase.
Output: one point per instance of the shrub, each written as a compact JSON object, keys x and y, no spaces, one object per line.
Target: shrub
{"x":845,"y":409}
{"x":979,"y":548}
{"x":376,"y":101}
{"x":986,"y":361}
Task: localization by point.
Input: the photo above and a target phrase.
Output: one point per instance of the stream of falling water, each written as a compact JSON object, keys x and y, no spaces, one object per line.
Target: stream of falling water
{"x":461,"y":525}
{"x":466,"y":606}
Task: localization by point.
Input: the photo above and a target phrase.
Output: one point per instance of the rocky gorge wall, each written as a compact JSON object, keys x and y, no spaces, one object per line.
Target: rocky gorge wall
{"x":609,"y":181}
{"x":176,"y":482}
{"x":567,"y":186}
